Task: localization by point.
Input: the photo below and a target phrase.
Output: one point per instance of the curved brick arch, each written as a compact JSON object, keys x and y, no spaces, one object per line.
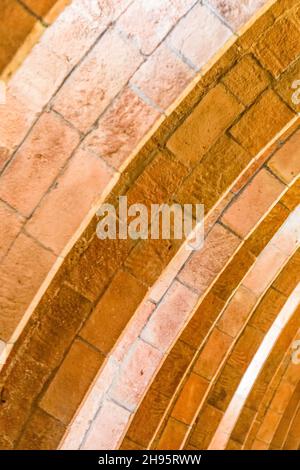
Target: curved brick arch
{"x":85,"y":291}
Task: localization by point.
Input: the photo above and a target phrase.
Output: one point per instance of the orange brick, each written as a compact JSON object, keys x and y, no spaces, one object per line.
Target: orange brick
{"x":286,"y":162}
{"x":98,"y":79}
{"x":237,"y":311}
{"x":270,"y":110}
{"x":216,"y":111}
{"x":113,"y":311}
{"x":11,"y":223}
{"x":70,"y":384}
{"x":190,"y":398}
{"x":121,"y":127}
{"x":246,"y":80}
{"x":206,"y":426}
{"x":212,"y":354}
{"x":38,"y":162}
{"x":173,"y":435}
{"x":252,"y":204}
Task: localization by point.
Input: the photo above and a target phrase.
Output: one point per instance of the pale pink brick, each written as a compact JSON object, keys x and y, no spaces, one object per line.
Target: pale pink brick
{"x":135,"y":374}
{"x":286,"y":161}
{"x":99,"y":78}
{"x":265,"y":269}
{"x":253,"y":203}
{"x":21,"y":274}
{"x":121,"y":127}
{"x":237,"y":12}
{"x":147,"y":23}
{"x":287,"y":238}
{"x":11,"y":223}
{"x":107,"y":429}
{"x":204,"y":265}
{"x":37,"y":163}
{"x":64,"y":207}
{"x":163,"y":77}
{"x":237,"y":311}
{"x":199,"y":35}
{"x":170,"y":316}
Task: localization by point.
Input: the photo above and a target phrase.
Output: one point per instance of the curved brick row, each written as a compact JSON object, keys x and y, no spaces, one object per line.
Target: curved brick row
{"x":99,"y":279}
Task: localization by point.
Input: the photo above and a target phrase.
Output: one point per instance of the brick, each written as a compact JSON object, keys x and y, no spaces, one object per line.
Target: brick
{"x":212,"y":354}
{"x":286,"y":163}
{"x":291,"y":197}
{"x":286,"y":83}
{"x":237,"y":311}
{"x":170,"y":316}
{"x":282,"y":397}
{"x":246,"y":80}
{"x":216,"y":172}
{"x":207,"y":424}
{"x":155,"y":21}
{"x":270,"y":423}
{"x":64,"y":207}
{"x":115,"y":419}
{"x":237,"y":12}
{"x":69,"y":384}
{"x":266,"y":268}
{"x":189,"y":398}
{"x":121,"y":127}
{"x":162,"y":77}
{"x":37,"y":163}
{"x":225,"y":387}
{"x":245,"y":348}
{"x":279,"y":46}
{"x":102,"y":74}
{"x":16,"y":24}
{"x":199,"y":35}
{"x":267,"y":229}
{"x":289,"y":276}
{"x":253,"y":203}
{"x":270,"y":110}
{"x":243,"y":424}
{"x":113,"y":311}
{"x":173,"y":435}
{"x":22,"y":272}
{"x":42,"y":432}
{"x":11,"y":223}
{"x":267,"y":311}
{"x":205,"y":264}
{"x":215,"y":112}
{"x":135,"y":375}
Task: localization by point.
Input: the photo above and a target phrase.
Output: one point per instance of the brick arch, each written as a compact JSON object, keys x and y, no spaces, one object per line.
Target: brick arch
{"x":77,"y":289}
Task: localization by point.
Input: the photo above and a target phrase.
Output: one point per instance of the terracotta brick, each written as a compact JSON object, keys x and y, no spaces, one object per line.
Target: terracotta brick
{"x":127,"y":444}
{"x":212,"y":354}
{"x":252,"y":204}
{"x":267,"y":311}
{"x":170,"y":316}
{"x":265,"y":269}
{"x":11,"y":223}
{"x":225,"y":387}
{"x":205,"y":264}
{"x":270,"y":423}
{"x":242,"y":426}
{"x":42,"y":432}
{"x":121,"y":127}
{"x":218,"y":169}
{"x":113,"y":311}
{"x":246,"y":80}
{"x":289,"y":276}
{"x":233,"y":273}
{"x":284,"y":86}
{"x":115,"y":418}
{"x":286,"y":162}
{"x":135,"y":375}
{"x":16,"y":24}
{"x":147,"y":418}
{"x":279,"y":46}
{"x":69,"y":384}
{"x":267,"y":229}
{"x":37,"y":163}
{"x":173,"y":435}
{"x":199,"y":35}
{"x":282,"y":397}
{"x":202,"y":320}
{"x":171,"y":371}
{"x":270,"y":110}
{"x":292,"y":197}
{"x":162,"y":77}
{"x":155,"y":21}
{"x":215,"y":112}
{"x":207,"y":424}
{"x":237,"y":12}
{"x":245,"y":348}
{"x":62,"y":210}
{"x":237,"y":311}
{"x":190,"y":398}
{"x":102,"y":74}
{"x":22,"y":272}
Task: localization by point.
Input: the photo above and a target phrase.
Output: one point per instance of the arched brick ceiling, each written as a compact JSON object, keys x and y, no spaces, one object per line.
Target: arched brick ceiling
{"x":187,"y":326}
